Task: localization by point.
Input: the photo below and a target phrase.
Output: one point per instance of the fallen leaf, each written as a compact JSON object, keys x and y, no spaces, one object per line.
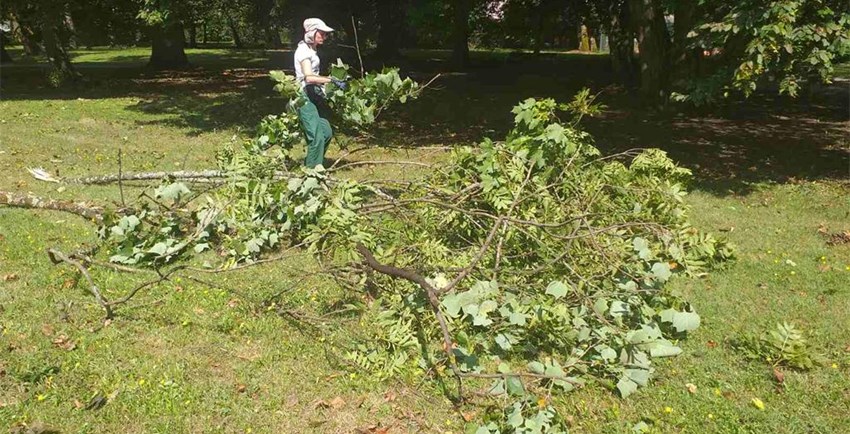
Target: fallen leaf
{"x":47,"y":330}
{"x":778,"y":375}
{"x":10,"y":277}
{"x":240,"y":388}
{"x":692,"y":388}
{"x":711,"y":344}
{"x":824,"y":268}
{"x":64,"y":342}
{"x":77,"y":404}
{"x":468,"y":416}
{"x":337,"y":403}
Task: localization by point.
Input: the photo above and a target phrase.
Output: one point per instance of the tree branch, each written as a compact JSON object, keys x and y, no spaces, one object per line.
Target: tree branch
{"x":56,"y":257}
{"x":17,"y":200}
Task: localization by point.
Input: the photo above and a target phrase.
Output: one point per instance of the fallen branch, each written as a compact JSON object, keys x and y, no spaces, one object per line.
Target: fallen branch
{"x":28,"y":200}
{"x":431,"y":292}
{"x":56,"y":257}
{"x":43,"y":175}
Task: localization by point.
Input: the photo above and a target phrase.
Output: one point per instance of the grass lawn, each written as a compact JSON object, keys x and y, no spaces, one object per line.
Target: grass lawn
{"x":771,"y":175}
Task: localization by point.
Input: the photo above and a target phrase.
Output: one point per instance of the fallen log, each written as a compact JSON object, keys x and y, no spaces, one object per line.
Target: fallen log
{"x":31,"y":201}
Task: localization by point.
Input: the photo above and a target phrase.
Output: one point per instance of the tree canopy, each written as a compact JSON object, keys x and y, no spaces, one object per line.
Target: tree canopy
{"x":688,"y":51}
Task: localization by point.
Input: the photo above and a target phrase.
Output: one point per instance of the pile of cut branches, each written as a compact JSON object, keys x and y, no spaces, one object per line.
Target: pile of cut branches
{"x":523,"y":267}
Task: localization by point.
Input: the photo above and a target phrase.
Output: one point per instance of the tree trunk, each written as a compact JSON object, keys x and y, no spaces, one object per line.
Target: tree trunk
{"x":460,"y":33}
{"x":539,"y":28}
{"x":234,"y":30}
{"x":4,"y":55}
{"x":685,"y":60}
{"x":168,"y":46}
{"x":193,"y":34}
{"x":263,"y":14}
{"x":621,"y":43}
{"x":29,"y":34}
{"x":56,"y":36}
{"x":391,"y":17}
{"x":654,"y":45}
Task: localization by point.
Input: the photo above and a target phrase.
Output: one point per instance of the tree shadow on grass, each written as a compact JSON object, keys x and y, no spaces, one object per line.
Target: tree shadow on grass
{"x":761,"y":140}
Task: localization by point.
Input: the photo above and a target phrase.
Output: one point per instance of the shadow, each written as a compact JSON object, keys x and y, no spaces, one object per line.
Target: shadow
{"x":763,"y":139}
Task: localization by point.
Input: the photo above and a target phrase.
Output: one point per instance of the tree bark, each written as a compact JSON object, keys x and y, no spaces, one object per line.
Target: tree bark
{"x":539,"y":27}
{"x":460,"y":33}
{"x":168,"y":46}
{"x":263,"y":14}
{"x":685,"y":59}
{"x":621,"y":43}
{"x":234,"y":30}
{"x":56,"y":38}
{"x":391,"y":14}
{"x":654,"y":45}
{"x":193,"y":34}
{"x":5,"y":57}
{"x":85,"y":210}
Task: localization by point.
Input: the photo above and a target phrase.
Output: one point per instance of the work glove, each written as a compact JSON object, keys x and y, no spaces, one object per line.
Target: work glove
{"x":339,"y":83}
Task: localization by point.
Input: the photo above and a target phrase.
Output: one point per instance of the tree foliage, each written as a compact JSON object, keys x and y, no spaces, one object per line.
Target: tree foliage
{"x":791,"y":42}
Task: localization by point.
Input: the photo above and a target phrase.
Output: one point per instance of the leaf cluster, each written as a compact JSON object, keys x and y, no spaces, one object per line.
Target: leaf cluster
{"x":786,"y":345}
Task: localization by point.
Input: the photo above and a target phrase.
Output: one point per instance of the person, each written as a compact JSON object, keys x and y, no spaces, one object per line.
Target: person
{"x":314,"y":111}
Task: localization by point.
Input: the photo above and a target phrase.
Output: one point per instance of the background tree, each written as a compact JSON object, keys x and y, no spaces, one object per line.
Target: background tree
{"x":391,"y":17}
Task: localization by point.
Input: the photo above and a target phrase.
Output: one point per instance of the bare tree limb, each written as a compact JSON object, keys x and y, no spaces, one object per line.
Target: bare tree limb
{"x":83,"y":209}
{"x":56,"y":257}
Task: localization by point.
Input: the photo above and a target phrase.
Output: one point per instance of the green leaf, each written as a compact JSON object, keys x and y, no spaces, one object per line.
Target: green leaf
{"x":557,"y":289}
{"x":158,"y":249}
{"x":626,"y":386}
{"x":518,"y":318}
{"x":503,"y":342}
{"x":661,"y":271}
{"x":514,"y":385}
{"x":536,"y":367}
{"x":172,"y":191}
{"x":685,"y":321}
{"x":639,"y":376}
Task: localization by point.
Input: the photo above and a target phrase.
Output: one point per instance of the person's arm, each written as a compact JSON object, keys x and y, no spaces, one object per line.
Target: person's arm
{"x":309,"y":77}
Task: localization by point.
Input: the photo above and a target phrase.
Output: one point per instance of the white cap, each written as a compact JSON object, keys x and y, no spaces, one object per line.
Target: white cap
{"x":311,"y":24}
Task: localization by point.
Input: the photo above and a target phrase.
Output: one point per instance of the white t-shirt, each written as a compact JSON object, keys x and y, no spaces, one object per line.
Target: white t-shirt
{"x":305,"y":52}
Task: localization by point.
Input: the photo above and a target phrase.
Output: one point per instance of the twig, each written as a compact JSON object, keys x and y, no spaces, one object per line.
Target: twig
{"x":357,"y":46}
{"x":523,"y":374}
{"x":120,"y":184}
{"x":367,"y":162}
{"x":56,"y":257}
{"x":431,"y":292}
{"x":134,"y":291}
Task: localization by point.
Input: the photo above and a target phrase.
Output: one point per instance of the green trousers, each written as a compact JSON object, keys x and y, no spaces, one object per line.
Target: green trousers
{"x":318,"y":132}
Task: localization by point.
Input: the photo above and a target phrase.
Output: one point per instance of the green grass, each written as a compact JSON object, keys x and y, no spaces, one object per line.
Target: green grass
{"x":197,"y":359}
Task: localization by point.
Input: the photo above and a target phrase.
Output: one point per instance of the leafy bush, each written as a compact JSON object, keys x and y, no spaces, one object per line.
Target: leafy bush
{"x":784,"y":346}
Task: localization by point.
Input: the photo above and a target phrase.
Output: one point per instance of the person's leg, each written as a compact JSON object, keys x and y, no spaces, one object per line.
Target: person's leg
{"x":326,"y":133}
{"x":316,"y":134}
